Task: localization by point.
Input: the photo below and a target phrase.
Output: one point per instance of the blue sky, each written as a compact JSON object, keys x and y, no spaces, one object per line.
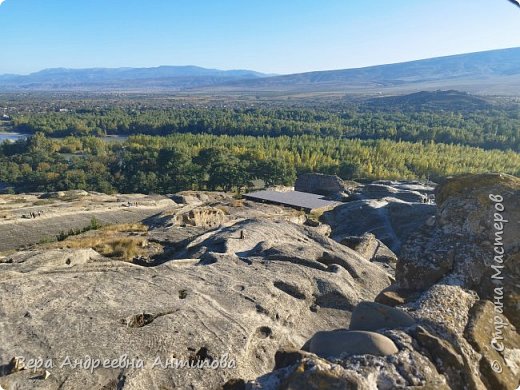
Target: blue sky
{"x":275,"y":36}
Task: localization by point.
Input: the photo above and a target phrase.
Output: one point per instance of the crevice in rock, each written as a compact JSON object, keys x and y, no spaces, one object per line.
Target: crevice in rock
{"x":289,"y":289}
{"x":333,"y":300}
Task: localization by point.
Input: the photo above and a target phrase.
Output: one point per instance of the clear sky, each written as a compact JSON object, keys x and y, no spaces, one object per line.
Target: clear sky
{"x":274,"y":36}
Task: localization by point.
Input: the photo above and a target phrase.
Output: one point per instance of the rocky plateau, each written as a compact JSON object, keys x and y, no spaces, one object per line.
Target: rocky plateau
{"x":399,"y":286}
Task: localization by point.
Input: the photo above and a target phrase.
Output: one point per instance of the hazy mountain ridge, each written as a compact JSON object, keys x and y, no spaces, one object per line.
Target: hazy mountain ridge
{"x":170,"y":77}
{"x":494,"y":66}
{"x":489,"y":72}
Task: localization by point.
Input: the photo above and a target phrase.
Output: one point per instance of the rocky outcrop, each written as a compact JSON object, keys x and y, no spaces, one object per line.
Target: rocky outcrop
{"x":266,"y":288}
{"x":390,"y":220}
{"x":318,"y":183}
{"x":474,"y":241}
{"x":405,"y":368}
{"x":71,"y":194}
{"x":240,"y":291}
{"x":239,"y":306}
{"x":446,"y":335}
{"x":205,"y":217}
{"x":500,"y":363}
{"x":193,"y":198}
{"x":381,"y":190}
{"x":424,"y":348}
{"x":30,"y":219}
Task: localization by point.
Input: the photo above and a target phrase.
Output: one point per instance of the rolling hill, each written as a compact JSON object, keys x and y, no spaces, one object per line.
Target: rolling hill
{"x":430,"y":100}
{"x":496,"y":71}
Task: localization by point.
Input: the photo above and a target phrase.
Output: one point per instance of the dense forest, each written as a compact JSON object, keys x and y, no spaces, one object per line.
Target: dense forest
{"x":491,"y":128}
{"x":177,"y":144}
{"x":153,"y":164}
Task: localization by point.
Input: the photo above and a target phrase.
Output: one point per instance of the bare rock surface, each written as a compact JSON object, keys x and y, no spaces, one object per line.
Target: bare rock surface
{"x":72,"y":210}
{"x":321,"y":184}
{"x":101,"y":308}
{"x":239,"y":289}
{"x":381,"y":190}
{"x":447,"y":335}
{"x":249,"y":286}
{"x":390,"y":220}
{"x":500,"y":361}
{"x":470,"y":244}
{"x":340,"y":343}
{"x":372,"y":316}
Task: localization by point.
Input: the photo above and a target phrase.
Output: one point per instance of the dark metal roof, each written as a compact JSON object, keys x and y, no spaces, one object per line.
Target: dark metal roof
{"x":298,"y":199}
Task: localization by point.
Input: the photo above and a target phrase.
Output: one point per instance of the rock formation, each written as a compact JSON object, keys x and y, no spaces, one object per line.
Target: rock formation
{"x":238,"y":288}
{"x":318,"y":183}
{"x":390,"y":220}
{"x":442,"y":315}
{"x":266,"y":296}
{"x":475,"y":241}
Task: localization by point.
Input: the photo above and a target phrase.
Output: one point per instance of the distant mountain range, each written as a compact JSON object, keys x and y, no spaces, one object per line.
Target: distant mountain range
{"x":162,"y":78}
{"x":489,"y":72}
{"x":493,"y":71}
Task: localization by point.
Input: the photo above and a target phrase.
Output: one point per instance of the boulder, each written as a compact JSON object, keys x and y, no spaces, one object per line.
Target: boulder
{"x":395,"y":296}
{"x":323,"y":229}
{"x":380,"y":191}
{"x":340,"y":343}
{"x":318,"y":183}
{"x":390,"y":220}
{"x":407,"y":368}
{"x":444,"y":307}
{"x":370,"y":248}
{"x":372,"y":316}
{"x":285,"y":358}
{"x":312,"y":375}
{"x":448,"y":360}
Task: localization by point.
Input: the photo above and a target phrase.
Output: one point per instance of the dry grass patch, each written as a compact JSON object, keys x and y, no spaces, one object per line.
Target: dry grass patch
{"x":123,"y":248}
{"x":224,"y":209}
{"x":126,"y":228}
{"x":111,"y":241}
{"x":237,"y":203}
